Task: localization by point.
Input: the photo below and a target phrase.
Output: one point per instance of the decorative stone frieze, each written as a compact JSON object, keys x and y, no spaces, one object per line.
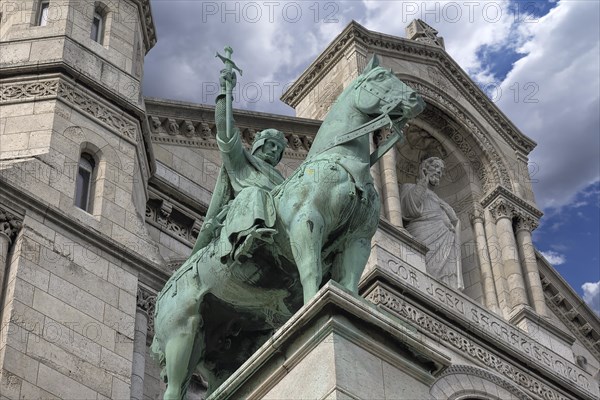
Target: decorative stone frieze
{"x":25,"y":91}
{"x":172,"y":127}
{"x":10,"y":224}
{"x":449,"y":336}
{"x":558,"y":298}
{"x":545,"y":283}
{"x":471,"y":380}
{"x":461,"y":314}
{"x":146,"y":301}
{"x":58,"y":88}
{"x":165,"y":211}
{"x":432,"y":115}
{"x":148,"y":29}
{"x":571,"y":314}
{"x":191,"y":132}
{"x":585,"y":329}
{"x":177,"y":223}
{"x":93,"y":107}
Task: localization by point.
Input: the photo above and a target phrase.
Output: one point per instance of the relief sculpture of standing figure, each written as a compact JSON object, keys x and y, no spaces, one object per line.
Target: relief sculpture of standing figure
{"x":434,"y":223}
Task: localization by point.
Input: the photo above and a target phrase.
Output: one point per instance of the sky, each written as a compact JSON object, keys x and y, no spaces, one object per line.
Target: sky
{"x":539,"y":61}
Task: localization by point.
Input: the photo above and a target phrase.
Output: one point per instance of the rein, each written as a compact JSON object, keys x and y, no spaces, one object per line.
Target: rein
{"x":373,"y":125}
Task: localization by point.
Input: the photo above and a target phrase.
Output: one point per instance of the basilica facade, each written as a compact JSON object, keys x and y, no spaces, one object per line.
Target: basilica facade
{"x":103,"y":193}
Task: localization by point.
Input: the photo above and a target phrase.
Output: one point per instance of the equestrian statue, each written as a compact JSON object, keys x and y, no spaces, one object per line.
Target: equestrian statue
{"x":268,"y":243}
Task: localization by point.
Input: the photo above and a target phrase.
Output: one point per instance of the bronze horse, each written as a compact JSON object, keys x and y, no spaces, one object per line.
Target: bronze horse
{"x":211,"y":316}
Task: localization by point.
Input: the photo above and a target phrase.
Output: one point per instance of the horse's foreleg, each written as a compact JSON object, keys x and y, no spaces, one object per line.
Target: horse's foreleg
{"x":306,"y":240}
{"x":183,"y":349}
{"x":181,"y":356}
{"x":349,"y":265}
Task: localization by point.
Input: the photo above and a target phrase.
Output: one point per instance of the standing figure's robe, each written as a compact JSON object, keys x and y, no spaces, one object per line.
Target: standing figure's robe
{"x":433,"y":222}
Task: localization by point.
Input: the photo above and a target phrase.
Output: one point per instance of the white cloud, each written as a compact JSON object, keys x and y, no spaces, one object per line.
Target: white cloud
{"x":465,"y":26}
{"x":553,"y":257}
{"x":591,"y":295}
{"x":273,"y":43}
{"x":558,"y":100}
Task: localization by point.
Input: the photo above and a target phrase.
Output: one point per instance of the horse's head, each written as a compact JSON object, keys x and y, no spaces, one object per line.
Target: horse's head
{"x":378,"y":91}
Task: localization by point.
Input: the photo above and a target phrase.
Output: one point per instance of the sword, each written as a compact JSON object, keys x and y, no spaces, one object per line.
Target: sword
{"x":229,"y":67}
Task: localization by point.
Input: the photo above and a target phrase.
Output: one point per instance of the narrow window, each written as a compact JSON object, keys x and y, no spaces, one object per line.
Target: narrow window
{"x":97,"y":28}
{"x":84,"y":182}
{"x":42,"y":19}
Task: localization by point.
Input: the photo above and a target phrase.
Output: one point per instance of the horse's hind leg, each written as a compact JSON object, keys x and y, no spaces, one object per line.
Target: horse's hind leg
{"x":349,"y":264}
{"x":306,"y":240}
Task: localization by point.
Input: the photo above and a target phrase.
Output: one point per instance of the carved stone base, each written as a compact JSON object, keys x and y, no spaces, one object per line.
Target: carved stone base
{"x":338,"y":345}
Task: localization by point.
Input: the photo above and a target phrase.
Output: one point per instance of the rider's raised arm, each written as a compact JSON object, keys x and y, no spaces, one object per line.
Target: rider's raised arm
{"x":221,"y":107}
{"x":230,"y":146}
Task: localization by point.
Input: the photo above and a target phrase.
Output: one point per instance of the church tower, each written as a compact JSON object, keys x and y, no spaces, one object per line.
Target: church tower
{"x":74,"y":167}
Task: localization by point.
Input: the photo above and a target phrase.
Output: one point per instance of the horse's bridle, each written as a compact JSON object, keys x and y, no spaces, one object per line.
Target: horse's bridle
{"x":381,"y":121}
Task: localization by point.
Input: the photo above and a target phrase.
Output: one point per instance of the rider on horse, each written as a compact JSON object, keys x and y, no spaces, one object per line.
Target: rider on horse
{"x":243,"y":186}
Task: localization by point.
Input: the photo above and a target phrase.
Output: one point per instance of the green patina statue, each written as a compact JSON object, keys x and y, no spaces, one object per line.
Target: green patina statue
{"x":268,"y":244}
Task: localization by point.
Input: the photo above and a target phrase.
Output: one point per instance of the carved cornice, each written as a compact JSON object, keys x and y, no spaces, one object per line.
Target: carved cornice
{"x":148,"y":28}
{"x":175,"y":221}
{"x":94,"y":107}
{"x":202,"y":134}
{"x":465,"y":344}
{"x":10,"y":225}
{"x":582,"y":322}
{"x":423,"y":53}
{"x":504,"y":204}
{"x":479,"y":325}
{"x":59,"y":87}
{"x":146,"y":302}
{"x":193,"y":125}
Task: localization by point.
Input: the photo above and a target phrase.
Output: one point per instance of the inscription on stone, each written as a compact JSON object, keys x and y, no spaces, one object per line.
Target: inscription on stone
{"x":479,"y":318}
{"x":457,"y":340}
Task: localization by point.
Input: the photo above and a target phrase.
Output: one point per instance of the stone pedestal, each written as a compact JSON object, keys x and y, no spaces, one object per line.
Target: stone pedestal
{"x":338,"y":346}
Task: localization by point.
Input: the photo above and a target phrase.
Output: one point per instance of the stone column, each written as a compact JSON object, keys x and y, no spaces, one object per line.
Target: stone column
{"x":503,"y":212}
{"x":487,"y":277}
{"x":9,"y":227}
{"x":144,"y":313}
{"x":495,"y":252}
{"x":376,"y":171}
{"x":525,"y":225}
{"x":391,"y":191}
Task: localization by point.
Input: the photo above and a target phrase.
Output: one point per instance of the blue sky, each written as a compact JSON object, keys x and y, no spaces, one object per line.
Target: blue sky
{"x":540,"y":57}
